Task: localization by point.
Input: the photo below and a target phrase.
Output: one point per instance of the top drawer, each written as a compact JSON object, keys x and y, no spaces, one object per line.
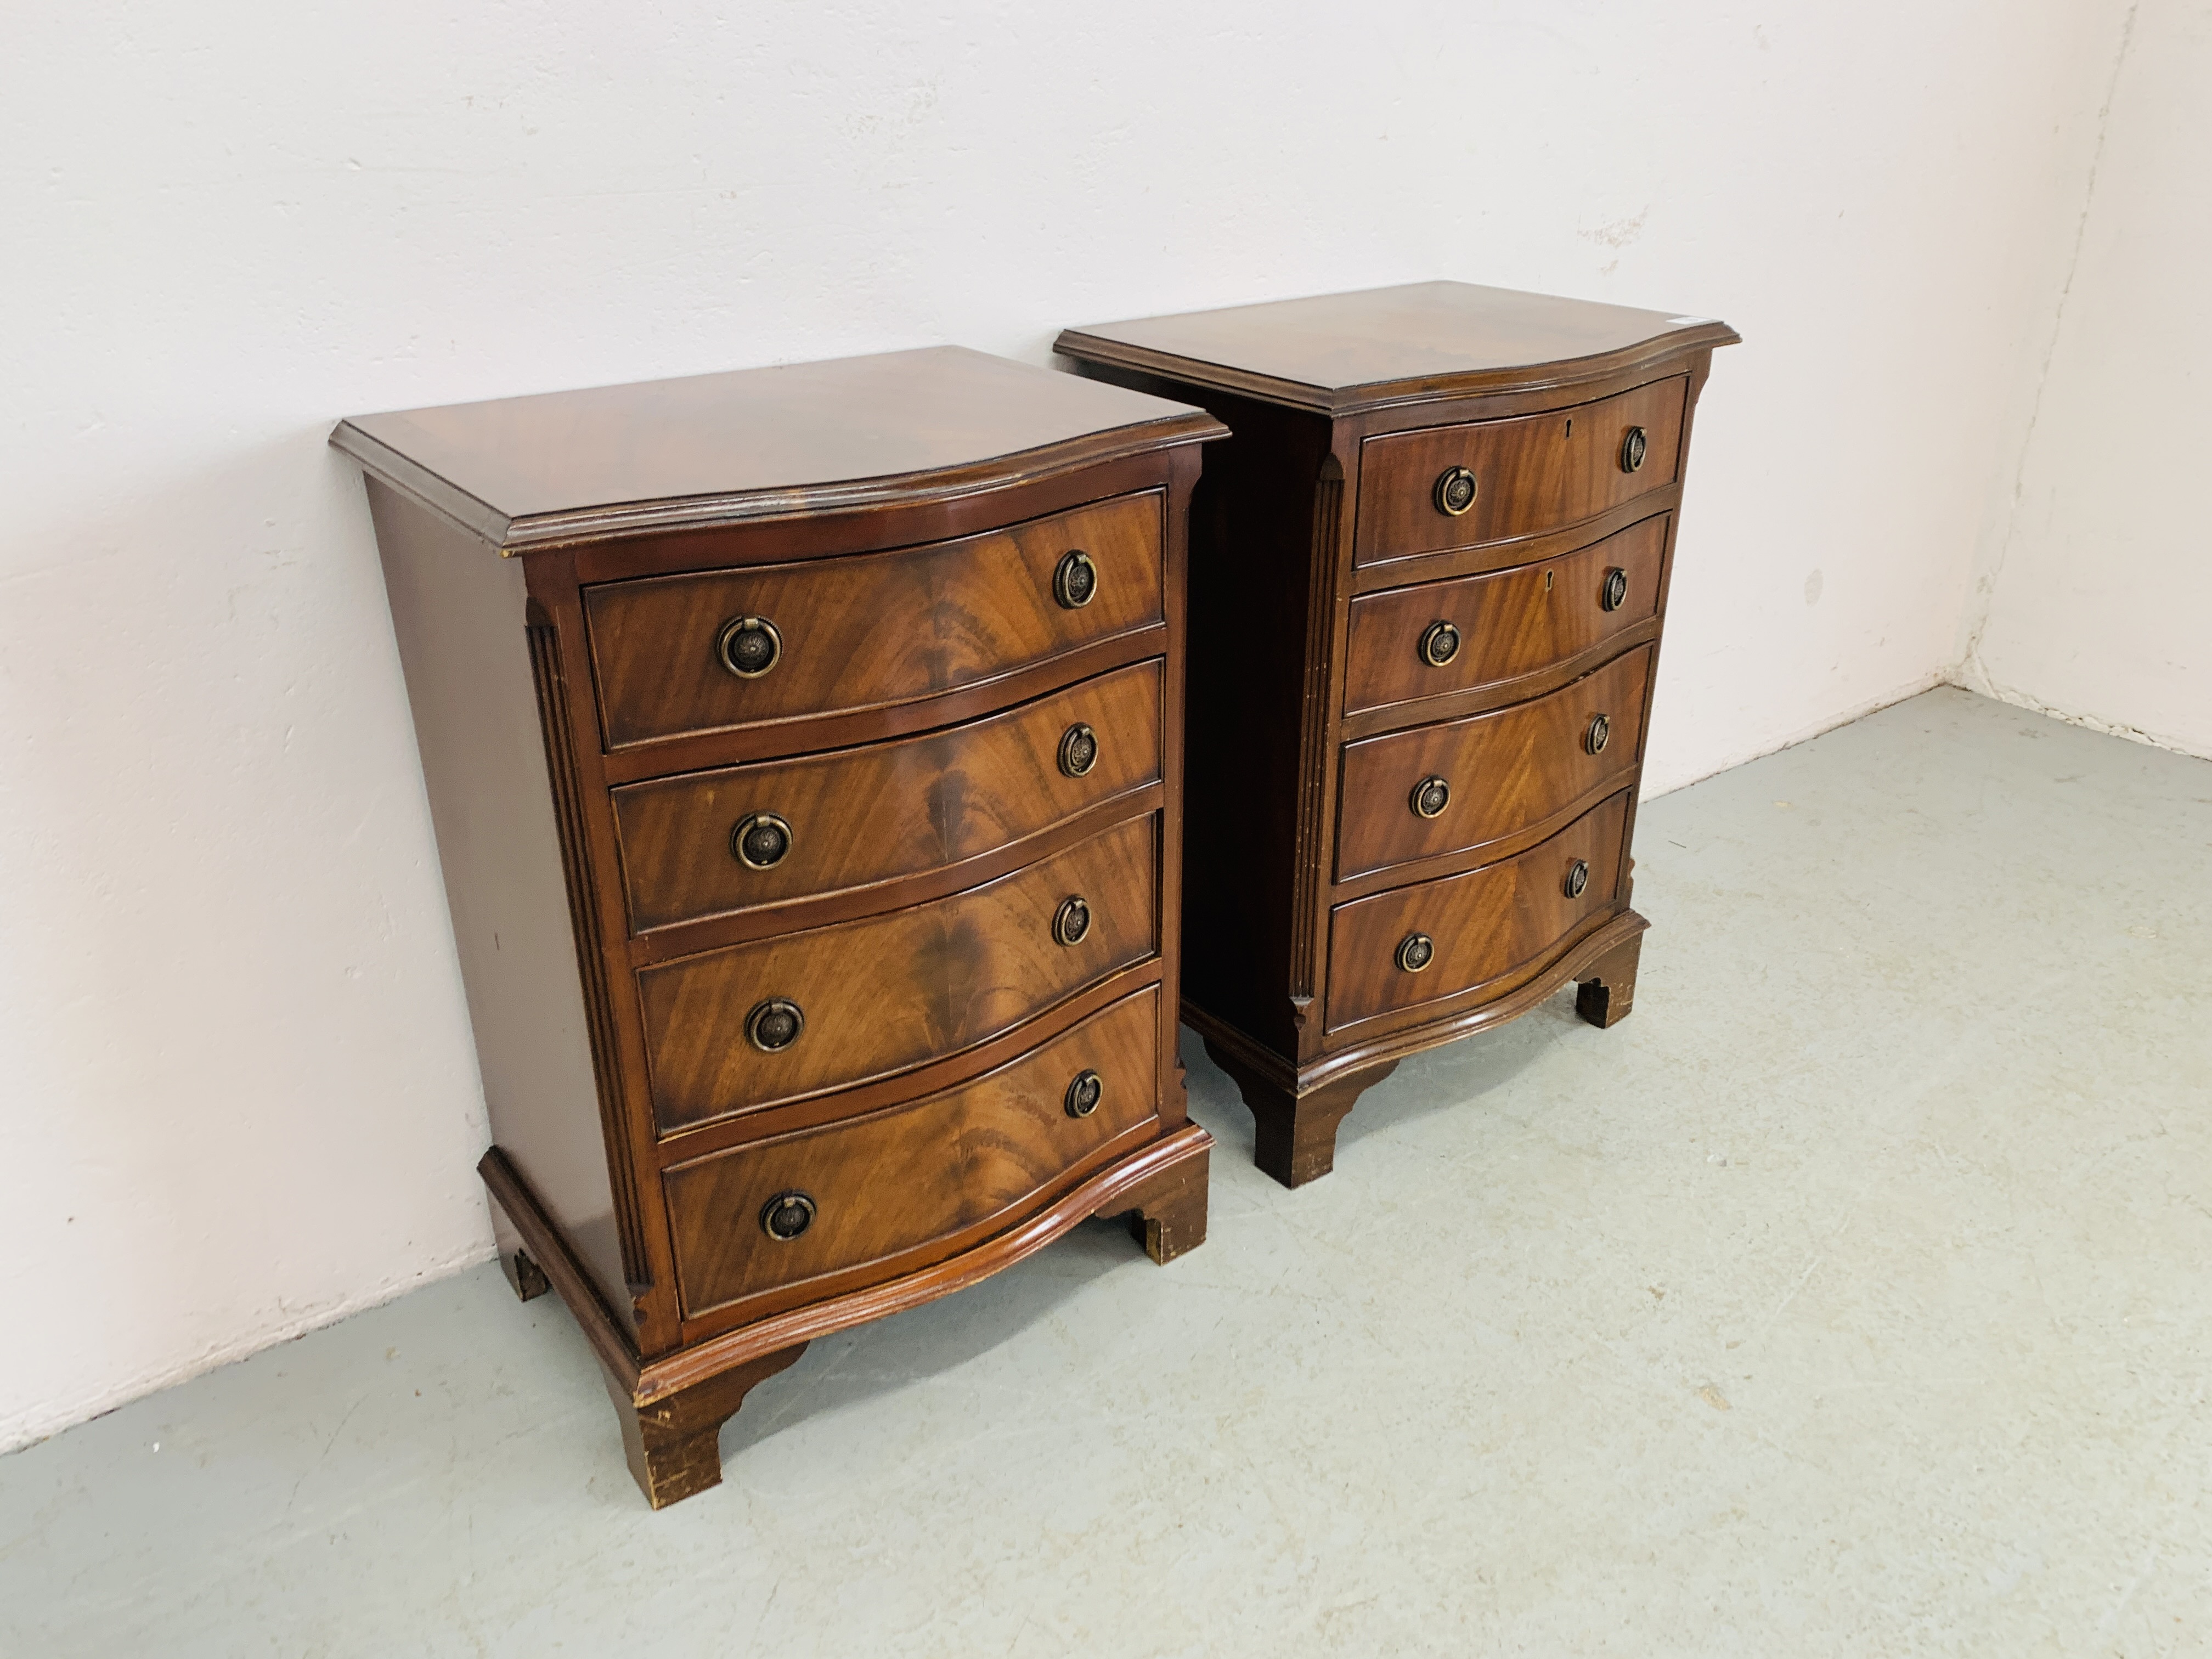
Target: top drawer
{"x":727,"y":649}
{"x":1530,"y":474}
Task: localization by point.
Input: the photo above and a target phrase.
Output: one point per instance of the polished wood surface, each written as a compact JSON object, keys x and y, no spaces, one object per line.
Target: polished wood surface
{"x":911,"y":729}
{"x":1526,"y":768}
{"x":935,"y":802}
{"x":868,"y":631}
{"x":1343,"y":353}
{"x":1486,"y":922}
{"x":1322,"y":547}
{"x":896,"y":989}
{"x":752,"y":444}
{"x":496,"y":786}
{"x":1533,"y":473}
{"x":898,"y":1180}
{"x":1513,"y":624}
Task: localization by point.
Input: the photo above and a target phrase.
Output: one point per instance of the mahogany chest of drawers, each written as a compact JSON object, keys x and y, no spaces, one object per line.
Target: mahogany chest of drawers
{"x":807,"y":786}
{"x":1428,"y":581}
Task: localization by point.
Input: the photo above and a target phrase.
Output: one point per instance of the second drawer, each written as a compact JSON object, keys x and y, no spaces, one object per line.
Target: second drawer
{"x":709,"y":843}
{"x":1462,"y":784}
{"x":1480,"y":632}
{"x":747,"y":1026}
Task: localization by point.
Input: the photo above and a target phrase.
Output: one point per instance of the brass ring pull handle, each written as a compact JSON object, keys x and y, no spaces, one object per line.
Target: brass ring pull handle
{"x":1071,"y":921}
{"x":1632,"y":449}
{"x":748,"y":647}
{"x":1084,"y":1089}
{"x":1599,"y":734}
{"x":1078,"y":749}
{"x":1455,"y":491}
{"x":1614,"y":593}
{"x":786,"y":1215}
{"x":1577,"y":878}
{"x":759,"y":840}
{"x":1415,"y":952}
{"x":1075,"y":580}
{"x":1439,"y":643}
{"x":775,"y":1025}
{"x":1430,"y":798}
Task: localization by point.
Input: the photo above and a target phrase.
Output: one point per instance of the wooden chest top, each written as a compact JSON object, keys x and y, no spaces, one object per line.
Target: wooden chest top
{"x":1338,"y":353}
{"x":756,"y":443}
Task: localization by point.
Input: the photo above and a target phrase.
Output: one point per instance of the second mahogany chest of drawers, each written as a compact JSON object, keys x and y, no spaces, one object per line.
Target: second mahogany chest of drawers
{"x":808,"y":787}
{"x":1428,"y":580}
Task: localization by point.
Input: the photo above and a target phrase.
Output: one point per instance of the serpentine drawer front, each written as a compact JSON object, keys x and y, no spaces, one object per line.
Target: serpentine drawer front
{"x":1510,"y":625}
{"x":891,"y":991}
{"x":1428,"y":586}
{"x":1522,"y":477}
{"x":709,"y":843}
{"x":1472,"y":783}
{"x":805,"y":1206}
{"x":676,"y":655}
{"x":808,"y":781}
{"x":1438,"y":939}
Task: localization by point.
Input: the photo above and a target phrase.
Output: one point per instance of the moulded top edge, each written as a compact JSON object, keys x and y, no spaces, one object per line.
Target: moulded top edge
{"x":943,"y":422}
{"x":1341,"y":353}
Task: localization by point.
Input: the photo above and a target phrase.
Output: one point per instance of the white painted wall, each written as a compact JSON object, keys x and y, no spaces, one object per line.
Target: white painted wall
{"x":239,"y":1096}
{"x":2095,"y":600}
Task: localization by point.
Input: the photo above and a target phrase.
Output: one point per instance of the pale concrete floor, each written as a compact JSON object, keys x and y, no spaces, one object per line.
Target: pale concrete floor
{"x":1854,"y":1297}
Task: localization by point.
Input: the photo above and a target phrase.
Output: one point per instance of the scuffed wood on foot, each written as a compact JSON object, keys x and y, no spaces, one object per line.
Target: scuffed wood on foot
{"x":674,"y":1444}
{"x":1168,"y":1213}
{"x":1605,"y":992}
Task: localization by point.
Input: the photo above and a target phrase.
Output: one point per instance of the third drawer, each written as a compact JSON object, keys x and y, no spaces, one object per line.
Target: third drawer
{"x":750,"y":1025}
{"x":1464,"y":784}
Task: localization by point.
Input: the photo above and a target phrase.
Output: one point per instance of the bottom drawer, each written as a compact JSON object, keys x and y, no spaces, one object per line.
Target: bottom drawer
{"x":774,"y":1213}
{"x":1440,"y":939}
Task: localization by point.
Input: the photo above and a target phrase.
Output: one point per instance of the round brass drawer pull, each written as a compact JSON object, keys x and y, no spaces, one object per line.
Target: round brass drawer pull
{"x":1632,"y":449}
{"x":1577,"y":878}
{"x":1084,"y":1089}
{"x":1614,"y":593}
{"x":1455,"y":491}
{"x":775,"y":1025}
{"x":761,"y":841}
{"x":1430,"y":798}
{"x":748,"y":647}
{"x":1071,"y":921}
{"x":1439,"y":643}
{"x":787,"y":1215}
{"x":1078,"y":749}
{"x":1416,"y":952}
{"x":1075,"y":580}
{"x":1598,"y":735}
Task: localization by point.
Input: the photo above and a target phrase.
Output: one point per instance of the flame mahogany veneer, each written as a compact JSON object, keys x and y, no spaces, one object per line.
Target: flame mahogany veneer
{"x":1428,"y":580}
{"x":808,"y":793}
